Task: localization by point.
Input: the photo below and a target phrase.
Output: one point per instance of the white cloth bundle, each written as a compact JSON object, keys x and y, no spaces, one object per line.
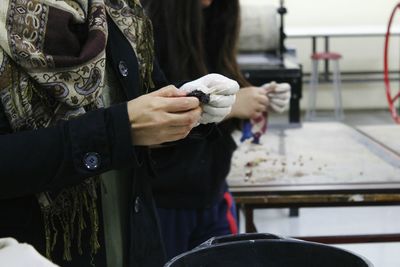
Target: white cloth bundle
{"x":14,"y":254}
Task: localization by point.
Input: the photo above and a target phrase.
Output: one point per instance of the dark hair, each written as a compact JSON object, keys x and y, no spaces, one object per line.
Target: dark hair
{"x":178,"y":27}
{"x":222,"y":25}
{"x":191,"y":42}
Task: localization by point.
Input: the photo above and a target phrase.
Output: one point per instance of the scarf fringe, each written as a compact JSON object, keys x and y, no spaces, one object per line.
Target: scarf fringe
{"x":68,"y":210}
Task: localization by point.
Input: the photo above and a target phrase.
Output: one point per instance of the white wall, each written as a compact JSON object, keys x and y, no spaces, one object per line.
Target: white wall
{"x":337,"y":12}
{"x":333,"y":12}
{"x":359,"y":53}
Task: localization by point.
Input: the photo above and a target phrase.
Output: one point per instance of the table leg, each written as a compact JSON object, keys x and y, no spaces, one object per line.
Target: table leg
{"x":314,"y":44}
{"x":294,"y":110}
{"x":249,"y":219}
{"x":326,"y":61}
{"x":294,"y":212}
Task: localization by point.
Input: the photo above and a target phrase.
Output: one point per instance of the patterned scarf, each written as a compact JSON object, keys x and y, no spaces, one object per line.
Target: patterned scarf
{"x":52,"y":68}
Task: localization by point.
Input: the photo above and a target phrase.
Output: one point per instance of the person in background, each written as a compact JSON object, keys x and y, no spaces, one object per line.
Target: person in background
{"x":193,"y":38}
{"x":79,"y":107}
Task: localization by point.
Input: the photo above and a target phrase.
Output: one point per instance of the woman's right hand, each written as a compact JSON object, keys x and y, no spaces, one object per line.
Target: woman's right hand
{"x":164,"y":115}
{"x":250,"y":103}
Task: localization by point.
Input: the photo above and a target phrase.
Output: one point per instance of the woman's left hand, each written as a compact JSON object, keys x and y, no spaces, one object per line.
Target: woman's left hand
{"x":279,"y":95}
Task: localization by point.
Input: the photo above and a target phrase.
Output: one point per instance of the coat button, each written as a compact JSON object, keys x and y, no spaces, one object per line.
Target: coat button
{"x":123,"y":68}
{"x":137,"y":205}
{"x":91,"y":161}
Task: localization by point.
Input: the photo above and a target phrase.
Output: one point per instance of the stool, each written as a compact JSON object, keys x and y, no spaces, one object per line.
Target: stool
{"x":316,"y":57}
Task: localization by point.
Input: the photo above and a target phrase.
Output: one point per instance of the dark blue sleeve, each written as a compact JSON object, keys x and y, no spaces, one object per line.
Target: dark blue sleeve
{"x":52,"y":158}
{"x":159,"y":78}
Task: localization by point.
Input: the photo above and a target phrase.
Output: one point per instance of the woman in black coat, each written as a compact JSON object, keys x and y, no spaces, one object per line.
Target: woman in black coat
{"x":74,"y":105}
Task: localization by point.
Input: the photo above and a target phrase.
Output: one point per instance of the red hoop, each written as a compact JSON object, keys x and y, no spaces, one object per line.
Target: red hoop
{"x":391,"y":100}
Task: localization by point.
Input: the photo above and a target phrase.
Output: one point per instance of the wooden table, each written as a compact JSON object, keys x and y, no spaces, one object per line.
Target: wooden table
{"x":315,"y":165}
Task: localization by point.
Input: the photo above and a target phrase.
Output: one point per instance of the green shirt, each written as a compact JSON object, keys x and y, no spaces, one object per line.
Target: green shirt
{"x":116,"y":192}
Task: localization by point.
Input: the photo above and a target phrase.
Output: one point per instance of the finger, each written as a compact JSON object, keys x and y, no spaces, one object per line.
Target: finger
{"x":178,"y":104}
{"x":178,"y":130}
{"x":218,"y":112}
{"x":256,"y":115}
{"x":168,"y":91}
{"x":263,"y":99}
{"x":222,"y":101}
{"x":269,"y":87}
{"x":261,"y":108}
{"x":188,"y":118}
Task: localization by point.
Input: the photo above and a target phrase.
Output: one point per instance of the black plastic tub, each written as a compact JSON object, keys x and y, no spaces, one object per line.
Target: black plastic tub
{"x":254,"y":250}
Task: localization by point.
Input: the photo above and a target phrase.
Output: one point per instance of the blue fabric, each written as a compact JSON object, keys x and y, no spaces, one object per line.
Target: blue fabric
{"x":184,"y":229}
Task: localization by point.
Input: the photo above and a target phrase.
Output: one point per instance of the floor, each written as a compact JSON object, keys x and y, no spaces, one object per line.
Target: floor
{"x":352,"y":220}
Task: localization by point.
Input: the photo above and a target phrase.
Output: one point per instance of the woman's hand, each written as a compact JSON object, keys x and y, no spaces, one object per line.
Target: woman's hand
{"x":250,"y":103}
{"x":279,"y":95}
{"x":165,"y":115}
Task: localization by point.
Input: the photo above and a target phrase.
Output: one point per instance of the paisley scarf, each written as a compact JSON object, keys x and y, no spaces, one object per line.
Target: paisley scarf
{"x":52,"y":68}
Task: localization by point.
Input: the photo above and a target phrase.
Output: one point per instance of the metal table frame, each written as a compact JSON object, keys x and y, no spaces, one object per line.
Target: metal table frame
{"x":248,"y":200}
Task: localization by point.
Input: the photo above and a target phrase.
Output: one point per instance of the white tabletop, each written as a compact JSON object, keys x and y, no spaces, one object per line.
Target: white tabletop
{"x":340,"y":31}
{"x":316,"y":153}
{"x":386,"y":135}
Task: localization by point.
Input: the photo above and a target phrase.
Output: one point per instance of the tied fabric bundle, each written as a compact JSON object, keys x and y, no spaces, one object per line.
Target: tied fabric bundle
{"x":279,"y":96}
{"x":221,"y":96}
{"x":14,"y":254}
{"x":52,"y":68}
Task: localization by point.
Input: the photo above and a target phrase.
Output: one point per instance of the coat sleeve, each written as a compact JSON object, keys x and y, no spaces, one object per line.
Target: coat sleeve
{"x":52,"y":158}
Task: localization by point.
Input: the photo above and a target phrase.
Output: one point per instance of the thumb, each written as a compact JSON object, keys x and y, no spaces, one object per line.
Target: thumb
{"x":168,"y":91}
{"x":269,"y":87}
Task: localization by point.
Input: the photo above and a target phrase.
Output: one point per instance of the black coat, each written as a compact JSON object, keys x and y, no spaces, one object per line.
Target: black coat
{"x":192,"y":173}
{"x":53,"y":158}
